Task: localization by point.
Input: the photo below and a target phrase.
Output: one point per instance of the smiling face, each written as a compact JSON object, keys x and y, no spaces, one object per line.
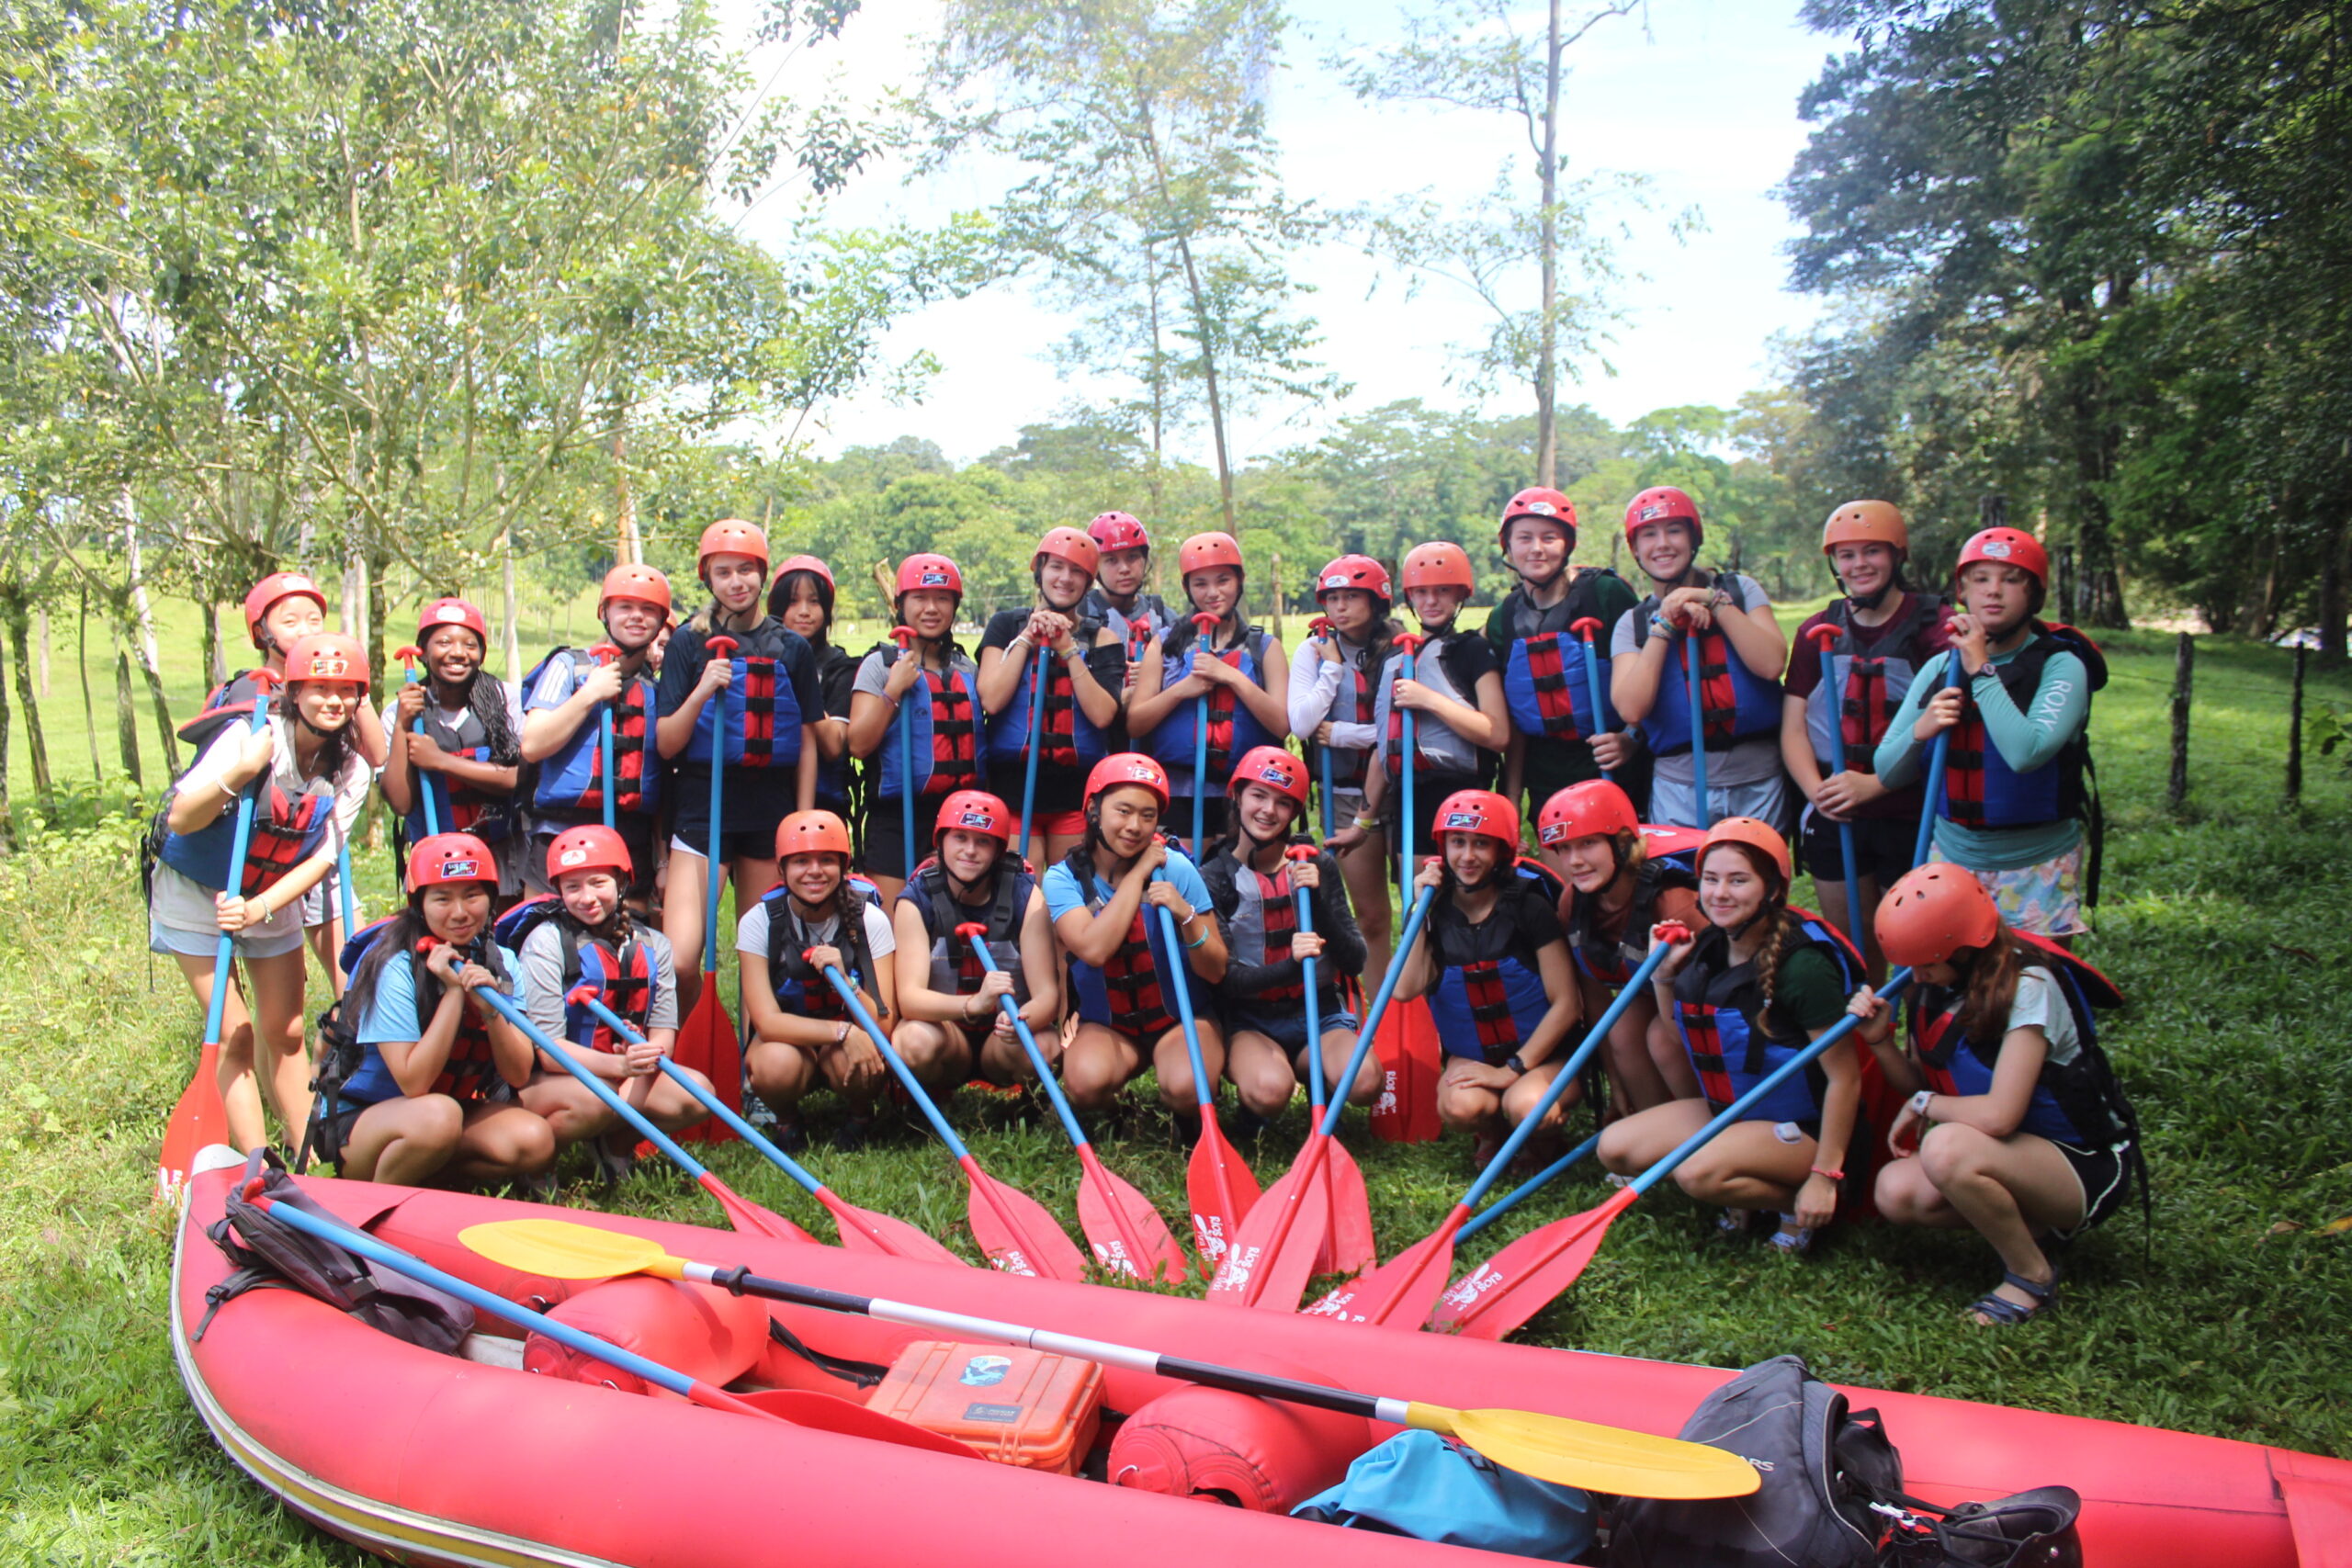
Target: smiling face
{"x":1537,"y":547}
{"x":735,"y":581}
{"x":590,"y":897}
{"x":453,"y":654}
{"x":969,"y":856}
{"x":805,"y":616}
{"x":1352,"y":610}
{"x":1124,"y":571}
{"x":328,"y":705}
{"x":1266,"y":812}
{"x":1999,"y":596}
{"x":931,"y":610}
{"x":1865,"y":569}
{"x":1213,"y":588}
{"x":1063,"y":582}
{"x":1129,"y":816}
{"x":1664,"y":549}
{"x":813,"y":877}
{"x":1435,"y":607}
{"x":632,"y":623}
{"x":291,"y":618}
{"x":1589,"y":863}
{"x":456,"y":913}
{"x":1472,"y":857}
{"x":1732,"y":891}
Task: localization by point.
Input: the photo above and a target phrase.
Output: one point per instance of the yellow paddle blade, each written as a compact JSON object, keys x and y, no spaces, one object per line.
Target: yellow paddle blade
{"x":1599,"y":1459}
{"x":558,"y":1249}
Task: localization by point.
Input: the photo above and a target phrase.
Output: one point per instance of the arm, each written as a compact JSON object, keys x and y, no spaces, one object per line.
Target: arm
{"x":1634,"y":674}
{"x":1150,"y":703}
{"x":872,"y":714}
{"x":414,"y":1064}
{"x":1816,"y":1202}
{"x":398,"y":779}
{"x":1314,"y":683}
{"x":1417,"y":976}
{"x":1552,"y":962}
{"x":208,"y":790}
{"x":911,"y":969}
{"x":675,"y":729}
{"x":804,"y":772}
{"x":545,"y":729}
{"x":1001,"y":669}
{"x":1091,"y":939}
{"x":1515,"y":766}
{"x":543,"y":995}
{"x":1041,"y":964}
{"x":367,"y":734}
{"x":1755,"y":634}
{"x":1344,"y":952}
{"x":1097,"y":696}
{"x":1901,"y":753}
{"x":1796,"y":749}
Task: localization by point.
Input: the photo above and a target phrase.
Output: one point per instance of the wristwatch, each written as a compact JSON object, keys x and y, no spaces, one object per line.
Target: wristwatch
{"x":1918,"y":1106}
{"x":1518,"y":1067}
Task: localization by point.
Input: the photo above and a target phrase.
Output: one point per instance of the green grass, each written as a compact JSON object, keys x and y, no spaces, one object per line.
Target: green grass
{"x":2223,"y":928}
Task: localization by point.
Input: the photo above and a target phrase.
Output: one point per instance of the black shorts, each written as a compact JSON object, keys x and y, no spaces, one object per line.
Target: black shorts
{"x":2105,"y":1178}
{"x":885,"y":850}
{"x":1883,"y":847}
{"x":734,"y":846}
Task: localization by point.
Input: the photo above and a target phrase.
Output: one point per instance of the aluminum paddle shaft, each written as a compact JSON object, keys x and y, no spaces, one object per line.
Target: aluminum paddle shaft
{"x":1588,"y":628}
{"x":1937,"y":756}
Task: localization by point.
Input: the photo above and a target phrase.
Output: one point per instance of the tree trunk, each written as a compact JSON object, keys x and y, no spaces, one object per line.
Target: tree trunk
{"x":126,"y":720}
{"x":1547,"y":346}
{"x":630,"y":545}
{"x":89,"y":709}
{"x":510,"y":634}
{"x":8,"y":808}
{"x":142,"y":615}
{"x":376,"y":567}
{"x":1206,"y":328}
{"x":2335,"y":544}
{"x":12,"y":608}
{"x":209,"y":622}
{"x":2092,"y":438}
{"x":40,"y":634}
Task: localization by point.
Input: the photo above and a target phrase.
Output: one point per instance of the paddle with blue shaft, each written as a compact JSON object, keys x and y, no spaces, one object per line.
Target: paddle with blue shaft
{"x":1693,"y":657}
{"x":905,"y":637}
{"x":1936,"y":757}
{"x":1040,"y":676}
{"x":1127,"y":1232}
{"x":741,"y":1213}
{"x":1220,"y":1186}
{"x":1204,"y":627}
{"x":1589,"y":627}
{"x":824,"y":1412}
{"x":1409,"y":1053}
{"x":1526,"y":1190}
{"x":408,"y":656}
{"x":1551,"y":1448}
{"x":1274,"y":1253}
{"x":861,"y":1230}
{"x":1823,"y":637}
{"x":1408,"y":760}
{"x":201,"y":1117}
{"x":1347,"y":1246}
{"x":1014,"y":1231}
{"x":1517,"y":1282}
{"x":608,"y":785}
{"x":707,"y":1039}
{"x":1324,"y":631}
{"x":1403,"y":1290}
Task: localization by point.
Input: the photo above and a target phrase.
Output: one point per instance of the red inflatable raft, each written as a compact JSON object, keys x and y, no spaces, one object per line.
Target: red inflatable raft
{"x":426,"y":1458}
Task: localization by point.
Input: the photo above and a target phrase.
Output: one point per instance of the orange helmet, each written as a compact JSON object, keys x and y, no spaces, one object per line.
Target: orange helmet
{"x":1478,"y":811}
{"x":1118,"y":531}
{"x":929,"y":573}
{"x":1203,"y":551}
{"x":1276,"y":768}
{"x":811,"y":833}
{"x":730,"y":536}
{"x":270,"y":590}
{"x":1755,"y":835}
{"x":642,"y":583}
{"x":806,"y":563}
{"x":1439,"y":565}
{"x":1866,"y":523}
{"x":2011,"y":546}
{"x":1127,"y":768}
{"x":1359,"y":573}
{"x":1932,"y":912}
{"x":450,"y":857}
{"x":975,"y":812}
{"x":453,"y":613}
{"x":1072,"y":545}
{"x":1595,"y":809}
{"x":1548,"y":504}
{"x":592,"y":847}
{"x":1664,"y":503}
{"x":326,"y":656}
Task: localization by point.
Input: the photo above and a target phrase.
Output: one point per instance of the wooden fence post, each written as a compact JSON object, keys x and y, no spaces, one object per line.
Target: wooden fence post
{"x":2295,"y":731}
{"x":2184,"y":662}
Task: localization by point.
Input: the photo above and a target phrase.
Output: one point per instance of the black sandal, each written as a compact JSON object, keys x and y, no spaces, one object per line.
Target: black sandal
{"x":2003,"y":1312}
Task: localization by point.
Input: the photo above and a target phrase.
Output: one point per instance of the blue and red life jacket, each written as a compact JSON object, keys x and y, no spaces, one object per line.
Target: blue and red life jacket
{"x":955,"y":969}
{"x":1548,"y":690}
{"x":1233,"y":729}
{"x":571,"y":779}
{"x":1847,"y":712}
{"x":1072,"y":740}
{"x":463,"y":808}
{"x":1139,"y":626}
{"x":470,"y":1072}
{"x":1435,"y":743}
{"x":1719,"y":1011}
{"x":1739,"y":704}
{"x":622,"y":972}
{"x":287,"y":830}
{"x":1981,"y":790}
{"x":1351,"y":704}
{"x":2078,"y":1102}
{"x":799,"y":987}
{"x":1668,"y":861}
{"x":949,"y":728}
{"x":1126,"y":993}
{"x":760,"y":709}
{"x":1488,"y":1001}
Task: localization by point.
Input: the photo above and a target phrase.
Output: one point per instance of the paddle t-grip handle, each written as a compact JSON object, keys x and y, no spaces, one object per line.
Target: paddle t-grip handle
{"x":605,"y":652}
{"x":1586,"y":627}
{"x":1320,"y":626}
{"x":408,"y":654}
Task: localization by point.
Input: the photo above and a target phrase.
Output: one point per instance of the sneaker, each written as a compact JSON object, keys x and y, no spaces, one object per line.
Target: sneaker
{"x":612,"y":1165}
{"x":853,"y":1134}
{"x":1791,"y":1238}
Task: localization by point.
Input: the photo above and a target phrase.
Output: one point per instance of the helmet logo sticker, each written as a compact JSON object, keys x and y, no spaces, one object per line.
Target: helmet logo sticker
{"x":450,"y":614}
{"x":1541,"y":508}
{"x":1337,"y":579}
{"x":1552,"y":832}
{"x":1277,"y":777}
{"x":976,"y":820}
{"x":1996,"y":548}
{"x":932,"y":578}
{"x":573,"y":857}
{"x":329,"y":666}
{"x":1654,"y":510}
{"x":460,"y":870}
{"x":1471,"y":820}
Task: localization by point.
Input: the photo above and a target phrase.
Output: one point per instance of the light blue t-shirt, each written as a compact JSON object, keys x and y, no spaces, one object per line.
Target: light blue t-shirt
{"x":391,"y":1015}
{"x":1061,"y":886}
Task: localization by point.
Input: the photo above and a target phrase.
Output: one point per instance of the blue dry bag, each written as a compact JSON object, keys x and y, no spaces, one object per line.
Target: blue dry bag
{"x":1428,"y":1487}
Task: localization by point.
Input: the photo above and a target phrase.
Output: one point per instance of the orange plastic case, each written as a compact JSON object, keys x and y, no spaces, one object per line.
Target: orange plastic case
{"x":1014,"y":1406}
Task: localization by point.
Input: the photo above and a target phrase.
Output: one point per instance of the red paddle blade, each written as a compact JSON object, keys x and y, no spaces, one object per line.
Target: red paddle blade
{"x":1410,"y":1059}
{"x":1127,"y":1232}
{"x":706,"y":1044}
{"x":1402,"y":1290}
{"x":1275,"y":1248}
{"x":198,"y":1119}
{"x":1349,"y":1248}
{"x":863,"y":1230}
{"x":1494,"y":1299}
{"x":749,"y":1217}
{"x":1016,"y":1232}
{"x":831,"y":1413}
{"x":1220,"y":1189}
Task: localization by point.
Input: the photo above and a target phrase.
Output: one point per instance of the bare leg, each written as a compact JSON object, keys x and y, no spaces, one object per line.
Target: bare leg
{"x":403,"y":1140}
{"x":1746,"y":1165}
{"x":1365,"y":870}
{"x":1630,"y":1146}
{"x":278,"y":1045}
{"x":501,"y":1143}
{"x":682,"y":921}
{"x":781,"y":1075}
{"x":1339,"y":1044}
{"x":937,"y":1053}
{"x":1259,"y":1072}
{"x":1465,"y":1105}
{"x":571,"y":1109}
{"x":248,"y":1129}
{"x":2006,"y":1188}
{"x":1098,"y":1062}
{"x":1175,"y":1065}
{"x":1520,"y":1099}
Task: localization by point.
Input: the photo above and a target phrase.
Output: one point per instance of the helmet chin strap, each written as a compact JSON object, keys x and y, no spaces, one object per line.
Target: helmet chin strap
{"x":1873,"y":600}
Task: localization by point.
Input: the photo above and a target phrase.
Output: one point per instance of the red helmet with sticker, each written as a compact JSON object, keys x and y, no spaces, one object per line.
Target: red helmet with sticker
{"x":642,"y":583}
{"x":1440,"y":564}
{"x":1593,"y":809}
{"x":1203,"y":551}
{"x":591,"y":847}
{"x":730,"y":536}
{"x":326,"y":656}
{"x":1477,"y":811}
{"x":2009,"y":547}
{"x":1072,"y":545}
{"x":1359,"y":573}
{"x":1273,"y":767}
{"x":1663,"y":504}
{"x":1750,"y":833}
{"x":1127,"y":768}
{"x":1118,"y":531}
{"x":809,"y":564}
{"x":975,"y":812}
{"x":929,"y":573}
{"x":811,"y":833}
{"x":270,"y":590}
{"x":1538,"y":501}
{"x":450,"y":857}
{"x":452,"y":612}
{"x":1932,"y":912}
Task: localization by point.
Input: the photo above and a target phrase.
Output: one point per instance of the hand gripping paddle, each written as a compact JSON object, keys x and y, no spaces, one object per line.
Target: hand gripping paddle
{"x":1823,"y":637}
{"x":861,"y":1230}
{"x":1517,"y":1282}
{"x":408,"y":656}
{"x":707,"y":1039}
{"x":905,"y":637}
{"x":1127,"y":1232}
{"x":1012,"y":1228}
{"x":1324,"y":631}
{"x":1588,"y":628}
{"x":1551,"y":1448}
{"x":608,"y":785}
{"x":1204,"y":627}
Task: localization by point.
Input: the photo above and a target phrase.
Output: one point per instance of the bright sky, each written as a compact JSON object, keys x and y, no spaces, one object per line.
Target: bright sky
{"x":1701,"y":100}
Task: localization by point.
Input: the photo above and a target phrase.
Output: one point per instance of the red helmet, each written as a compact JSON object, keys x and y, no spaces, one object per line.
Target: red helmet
{"x":1439,"y":565}
{"x":1866,"y":523}
{"x":1931,"y":912}
{"x":270,"y":590}
{"x":730,"y":536}
{"x":1548,"y":504}
{"x":2011,"y":546}
{"x":975,"y":812}
{"x":806,"y":563}
{"x":452,"y":612}
{"x":1595,"y":809}
{"x":1072,"y":545}
{"x":1203,"y":551}
{"x":1359,"y":573}
{"x":592,"y":847}
{"x":642,"y":583}
{"x":1477,"y":811}
{"x":450,"y":857}
{"x":1755,"y":835}
{"x":1118,"y":531}
{"x":811,"y":833}
{"x":1127,"y":768}
{"x":326,"y":656}
{"x":1276,"y":768}
{"x":929,"y":573}
{"x":1663,"y":504}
